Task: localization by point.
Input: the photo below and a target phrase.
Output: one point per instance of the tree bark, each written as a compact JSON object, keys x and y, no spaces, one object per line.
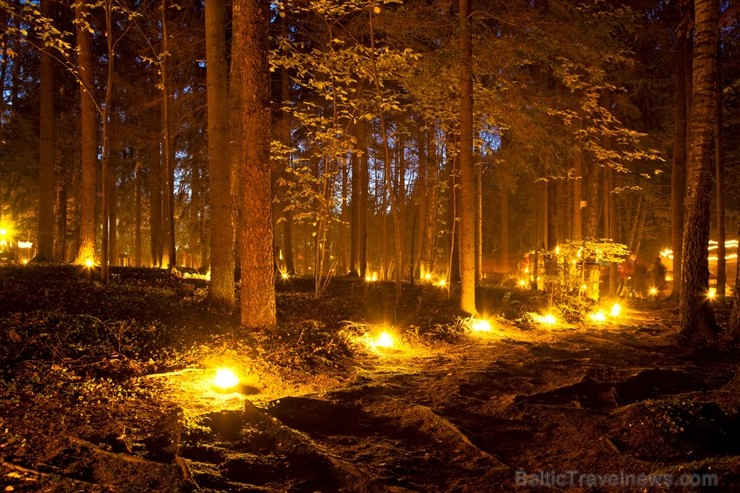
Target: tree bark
{"x":222,"y":290}
{"x":467,"y":185}
{"x":89,"y":144}
{"x":678,"y":173}
{"x":45,"y":237}
{"x":169,"y":252}
{"x":720,"y":179}
{"x":251,"y":20}
{"x":695,"y":311}
{"x":577,"y":227}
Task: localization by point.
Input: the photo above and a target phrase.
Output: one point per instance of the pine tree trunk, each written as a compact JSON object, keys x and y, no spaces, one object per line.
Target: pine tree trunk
{"x":419,"y":268}
{"x":467,"y":186}
{"x":169,"y":252}
{"x":721,"y":191}
{"x":45,"y":237}
{"x":60,"y":213}
{"x":137,"y":214}
{"x":504,"y":178}
{"x":194,"y":217}
{"x":89,"y":144}
{"x":593,"y":204}
{"x":251,"y":19}
{"x":734,"y":322}
{"x":678,"y":173}
{"x":577,"y":225}
{"x":222,"y":290}
{"x":155,"y":205}
{"x":695,"y":311}
{"x":342,"y":268}
{"x":285,"y":136}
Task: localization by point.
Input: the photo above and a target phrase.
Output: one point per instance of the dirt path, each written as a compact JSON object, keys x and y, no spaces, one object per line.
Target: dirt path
{"x":478,"y":415}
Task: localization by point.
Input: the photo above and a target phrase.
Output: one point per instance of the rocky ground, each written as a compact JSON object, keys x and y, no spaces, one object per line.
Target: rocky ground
{"x":108,"y":388}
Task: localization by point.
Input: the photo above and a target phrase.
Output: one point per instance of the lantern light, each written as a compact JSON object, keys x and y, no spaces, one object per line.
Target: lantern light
{"x":225,"y":379}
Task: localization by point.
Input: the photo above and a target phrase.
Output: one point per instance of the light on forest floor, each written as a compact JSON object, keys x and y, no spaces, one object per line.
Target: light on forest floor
{"x":481,"y":325}
{"x":712,"y":293}
{"x":225,"y":379}
{"x":384,"y":340}
{"x":616,"y":310}
{"x":597,"y":316}
{"x":89,"y":262}
{"x":547,"y":319}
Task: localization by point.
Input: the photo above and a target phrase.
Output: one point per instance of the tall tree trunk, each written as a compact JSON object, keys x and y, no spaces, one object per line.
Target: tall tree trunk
{"x":504,"y":177}
{"x":195,"y":213}
{"x":364,"y":200}
{"x":478,"y":169}
{"x":222,"y":290}
{"x":155,"y":205}
{"x":45,"y":237}
{"x":432,"y":197}
{"x":342,"y":266}
{"x":89,"y":144}
{"x":678,"y":173}
{"x":60,"y":213}
{"x":169,"y":252}
{"x":355,"y":210}
{"x":137,"y":214}
{"x":592,"y":209}
{"x":721,"y":190}
{"x":696,"y":314}
{"x":395,"y":208}
{"x":106,"y":153}
{"x":285,"y":136}
{"x":467,"y":186}
{"x":577,"y":225}
{"x":251,"y":20}
{"x":419,"y":269}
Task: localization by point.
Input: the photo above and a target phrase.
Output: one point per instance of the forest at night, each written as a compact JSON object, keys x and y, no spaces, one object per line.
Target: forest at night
{"x":369,"y":245}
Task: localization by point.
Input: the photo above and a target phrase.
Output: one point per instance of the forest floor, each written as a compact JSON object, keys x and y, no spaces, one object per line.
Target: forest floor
{"x":107,"y":388}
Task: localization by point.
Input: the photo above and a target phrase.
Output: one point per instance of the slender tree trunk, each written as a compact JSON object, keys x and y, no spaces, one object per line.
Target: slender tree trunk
{"x":721,"y":191}
{"x":169,"y":252}
{"x":678,"y":173}
{"x":467,"y":186}
{"x":89,"y":144}
{"x":222,"y":290}
{"x":251,"y":19}
{"x":395,"y":209}
{"x":577,"y":233}
{"x":60,"y":213}
{"x":419,"y":268}
{"x":285,"y":135}
{"x":105,"y":165}
{"x":195,"y":213}
{"x":364,"y":201}
{"x":344,"y":225}
{"x":592,"y":210}
{"x":45,"y":237}
{"x":155,"y":204}
{"x":504,"y":177}
{"x":478,"y":169}
{"x":137,"y":214}
{"x":696,"y":314}
{"x":355,"y":210}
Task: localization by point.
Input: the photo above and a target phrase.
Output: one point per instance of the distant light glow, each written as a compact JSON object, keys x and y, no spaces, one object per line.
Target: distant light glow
{"x":547,"y":319}
{"x":653,"y":291}
{"x":24,"y":245}
{"x":712,"y":293}
{"x":522,"y":282}
{"x":225,"y":379}
{"x":384,"y":340}
{"x":616,"y":310}
{"x":481,"y":325}
{"x":441,"y":283}
{"x":89,"y":262}
{"x":597,"y":316}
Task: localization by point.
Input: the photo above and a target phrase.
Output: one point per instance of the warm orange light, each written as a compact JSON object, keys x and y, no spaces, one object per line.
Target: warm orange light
{"x":225,"y":379}
{"x":712,"y":293}
{"x":24,"y":261}
{"x":441,"y":283}
{"x":481,"y":325}
{"x":547,"y":319}
{"x":653,"y":291}
{"x":89,"y":262}
{"x":616,"y":310}
{"x":428,"y":276}
{"x":284,"y":275}
{"x":522,"y":282}
{"x":598,"y":316}
{"x":384,"y":340}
